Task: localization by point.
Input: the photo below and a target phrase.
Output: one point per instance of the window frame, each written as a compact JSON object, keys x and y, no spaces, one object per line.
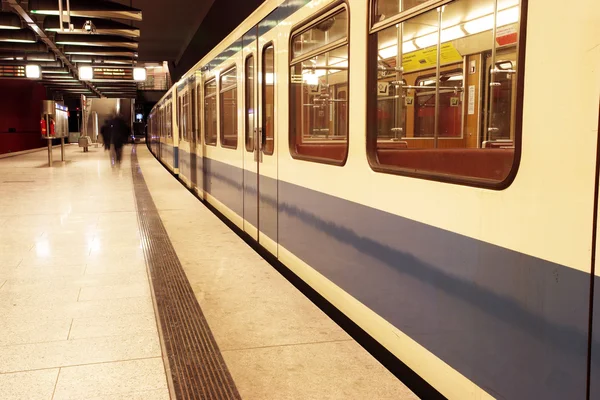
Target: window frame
{"x":371,"y":111}
{"x":299,"y":29}
{"x":204,"y":96}
{"x":220,"y":91}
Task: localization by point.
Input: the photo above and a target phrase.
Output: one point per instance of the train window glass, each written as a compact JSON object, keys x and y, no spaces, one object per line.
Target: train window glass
{"x":327,"y":30}
{"x":228,"y":109}
{"x":249,"y":103}
{"x":319,"y":95}
{"x":183,"y":127}
{"x":442,"y":97}
{"x":385,"y":9}
{"x":210,"y":112}
{"x":268,"y":100}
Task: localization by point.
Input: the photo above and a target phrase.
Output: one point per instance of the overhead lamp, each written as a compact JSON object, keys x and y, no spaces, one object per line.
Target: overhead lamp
{"x":86,"y":73}
{"x":427,"y":40}
{"x":9,"y":20}
{"x":139,"y":74}
{"x":33,"y":71}
{"x":54,"y":71}
{"x":89,"y":26}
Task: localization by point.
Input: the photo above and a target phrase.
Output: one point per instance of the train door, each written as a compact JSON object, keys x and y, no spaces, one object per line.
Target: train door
{"x":250,"y":152}
{"x":193,"y":134}
{"x":261,"y":163}
{"x":199,"y":143}
{"x":267,"y":156}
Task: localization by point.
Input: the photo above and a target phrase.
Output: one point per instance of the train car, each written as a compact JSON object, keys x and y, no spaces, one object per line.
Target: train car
{"x":430,"y":167}
{"x":164,"y":133}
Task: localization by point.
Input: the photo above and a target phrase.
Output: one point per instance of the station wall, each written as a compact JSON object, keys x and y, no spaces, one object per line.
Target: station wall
{"x":20,"y":105}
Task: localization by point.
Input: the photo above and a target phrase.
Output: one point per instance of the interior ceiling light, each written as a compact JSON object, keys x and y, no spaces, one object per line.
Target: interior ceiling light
{"x":139,"y":74}
{"x":86,"y":73}
{"x":33,"y":71}
{"x":9,"y":20}
{"x":53,"y":71}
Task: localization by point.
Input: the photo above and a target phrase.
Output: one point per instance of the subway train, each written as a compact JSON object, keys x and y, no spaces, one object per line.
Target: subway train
{"x":430,"y":167}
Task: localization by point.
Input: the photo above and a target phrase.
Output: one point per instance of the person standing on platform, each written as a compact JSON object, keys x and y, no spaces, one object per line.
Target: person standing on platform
{"x":119,"y":134}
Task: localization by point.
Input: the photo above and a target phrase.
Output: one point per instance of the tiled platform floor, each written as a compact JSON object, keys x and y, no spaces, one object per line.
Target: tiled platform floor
{"x":76,"y":313}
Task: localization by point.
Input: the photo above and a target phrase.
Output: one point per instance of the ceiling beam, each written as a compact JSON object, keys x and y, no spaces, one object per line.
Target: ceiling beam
{"x":40,"y":32}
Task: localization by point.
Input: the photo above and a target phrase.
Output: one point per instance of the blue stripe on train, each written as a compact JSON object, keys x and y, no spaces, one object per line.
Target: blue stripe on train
{"x":514,"y":324}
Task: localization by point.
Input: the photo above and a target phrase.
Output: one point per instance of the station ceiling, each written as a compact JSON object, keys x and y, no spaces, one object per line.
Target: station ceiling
{"x":111,"y":36}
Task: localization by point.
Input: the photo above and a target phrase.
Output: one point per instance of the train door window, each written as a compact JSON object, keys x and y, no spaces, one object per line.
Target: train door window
{"x":169,"y":121}
{"x":198,"y":113}
{"x":210,"y":112}
{"x":498,"y":98}
{"x":450,"y":105}
{"x":249,"y":103}
{"x":228,"y":109}
{"x":443,"y":91}
{"x":319,"y":89}
{"x":183,"y":127}
{"x":268,"y":100}
{"x":192,"y":113}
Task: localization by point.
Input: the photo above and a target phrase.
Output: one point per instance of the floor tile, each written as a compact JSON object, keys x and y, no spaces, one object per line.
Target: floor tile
{"x":77,"y":352}
{"x":30,"y":385}
{"x":143,"y":379}
{"x":120,"y":325}
{"x":336,"y":370}
{"x":18,"y":331}
{"x":115,"y":292}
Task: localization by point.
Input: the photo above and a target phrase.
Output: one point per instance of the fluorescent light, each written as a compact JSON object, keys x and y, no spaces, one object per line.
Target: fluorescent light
{"x":310,"y":79}
{"x":427,"y":40}
{"x":33,"y":71}
{"x":86,"y":73}
{"x":508,"y":16}
{"x":388,"y":52}
{"x":480,"y":24}
{"x":452,"y":33}
{"x":9,"y":27}
{"x":139,"y":74}
{"x":486,"y":23}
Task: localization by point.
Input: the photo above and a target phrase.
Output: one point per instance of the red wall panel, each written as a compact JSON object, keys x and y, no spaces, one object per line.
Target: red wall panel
{"x":20,"y":106}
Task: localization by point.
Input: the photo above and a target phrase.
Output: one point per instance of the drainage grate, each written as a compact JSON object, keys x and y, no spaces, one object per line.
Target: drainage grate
{"x":197,"y":368}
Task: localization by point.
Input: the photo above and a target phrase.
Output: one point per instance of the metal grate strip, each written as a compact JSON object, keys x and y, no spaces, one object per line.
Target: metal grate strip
{"x":197,"y":367}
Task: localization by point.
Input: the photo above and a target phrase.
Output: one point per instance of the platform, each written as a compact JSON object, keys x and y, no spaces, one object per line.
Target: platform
{"x":93,"y":259}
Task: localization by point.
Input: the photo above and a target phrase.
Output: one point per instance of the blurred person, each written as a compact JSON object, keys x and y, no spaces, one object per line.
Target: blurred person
{"x":119,"y":134}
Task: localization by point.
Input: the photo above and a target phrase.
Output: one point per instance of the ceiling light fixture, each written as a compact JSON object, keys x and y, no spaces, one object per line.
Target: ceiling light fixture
{"x":33,"y":71}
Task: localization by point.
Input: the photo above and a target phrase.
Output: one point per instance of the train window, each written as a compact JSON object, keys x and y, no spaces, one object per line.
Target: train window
{"x":268,"y":100}
{"x":442,"y":92}
{"x":249,"y":104}
{"x":319,"y":90}
{"x":385,"y":9}
{"x":228,"y":109}
{"x":210,"y":112}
